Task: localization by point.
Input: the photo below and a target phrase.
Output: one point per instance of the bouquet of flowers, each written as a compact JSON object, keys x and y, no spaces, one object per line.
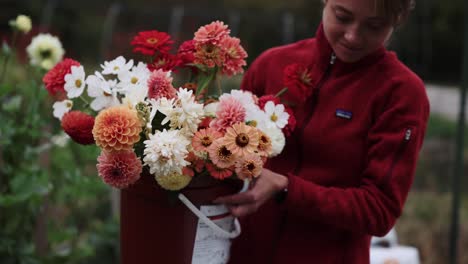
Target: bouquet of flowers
{"x":136,"y":115}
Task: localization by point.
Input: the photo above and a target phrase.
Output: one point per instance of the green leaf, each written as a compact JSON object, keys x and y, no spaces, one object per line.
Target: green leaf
{"x":12,"y":104}
{"x":5,"y":88}
{"x":204,"y":80}
{"x":6,"y":48}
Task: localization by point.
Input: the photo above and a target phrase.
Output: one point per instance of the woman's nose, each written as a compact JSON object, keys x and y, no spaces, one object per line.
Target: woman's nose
{"x":353,"y":36}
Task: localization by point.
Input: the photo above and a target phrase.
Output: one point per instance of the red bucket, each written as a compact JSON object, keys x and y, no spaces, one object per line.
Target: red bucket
{"x":158,"y":228}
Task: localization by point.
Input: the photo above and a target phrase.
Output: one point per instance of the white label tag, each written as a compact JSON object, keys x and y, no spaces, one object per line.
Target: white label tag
{"x":210,"y":248}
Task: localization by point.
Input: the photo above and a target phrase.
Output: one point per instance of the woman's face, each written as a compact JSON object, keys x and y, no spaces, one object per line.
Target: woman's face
{"x":354,"y":29}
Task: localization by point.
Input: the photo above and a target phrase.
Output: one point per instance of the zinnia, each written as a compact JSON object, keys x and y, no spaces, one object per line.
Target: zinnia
{"x":235,"y":56}
{"x":241,"y":139}
{"x":204,"y":138}
{"x":212,"y":33}
{"x":54,"y":80}
{"x":297,"y":76}
{"x":218,"y":173}
{"x":220,"y":155}
{"x":117,"y":128}
{"x":250,"y":167}
{"x":151,"y":42}
{"x":79,"y":126}
{"x":119,"y":169}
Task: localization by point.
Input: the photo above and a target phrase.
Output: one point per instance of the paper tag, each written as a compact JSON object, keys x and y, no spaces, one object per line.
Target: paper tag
{"x":210,"y":248}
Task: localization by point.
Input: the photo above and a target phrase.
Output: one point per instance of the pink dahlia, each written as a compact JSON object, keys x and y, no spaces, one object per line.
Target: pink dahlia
{"x":160,"y":85}
{"x":79,"y":126}
{"x":235,"y":56}
{"x":213,"y":33}
{"x":152,"y":42}
{"x":230,"y":111}
{"x":54,"y":80}
{"x":119,"y":169}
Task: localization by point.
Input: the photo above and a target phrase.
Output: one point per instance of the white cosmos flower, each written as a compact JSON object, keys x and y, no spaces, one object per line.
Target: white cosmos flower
{"x":45,"y":51}
{"x":75,"y":82}
{"x":256,"y":117}
{"x":165,"y":151}
{"x":277,"y":114}
{"x":102,"y":92}
{"x":137,"y":76}
{"x":62,"y":107}
{"x":116,"y":66}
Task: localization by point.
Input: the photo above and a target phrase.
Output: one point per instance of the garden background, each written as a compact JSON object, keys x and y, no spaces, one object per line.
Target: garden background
{"x":53,"y":206}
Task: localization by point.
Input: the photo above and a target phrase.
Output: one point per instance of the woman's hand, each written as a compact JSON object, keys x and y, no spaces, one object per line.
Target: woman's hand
{"x":261,"y":189}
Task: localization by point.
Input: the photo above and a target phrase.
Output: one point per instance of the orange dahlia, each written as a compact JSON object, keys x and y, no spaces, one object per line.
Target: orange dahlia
{"x":117,"y":128}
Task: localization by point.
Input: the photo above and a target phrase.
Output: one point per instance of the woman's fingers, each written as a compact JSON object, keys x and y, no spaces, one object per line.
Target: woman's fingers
{"x":236,"y":199}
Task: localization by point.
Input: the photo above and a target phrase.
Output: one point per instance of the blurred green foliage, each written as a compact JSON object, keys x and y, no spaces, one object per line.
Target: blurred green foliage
{"x":53,"y":206}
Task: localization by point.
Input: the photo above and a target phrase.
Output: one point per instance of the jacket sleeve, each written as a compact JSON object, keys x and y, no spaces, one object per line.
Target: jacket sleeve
{"x":393,"y":144}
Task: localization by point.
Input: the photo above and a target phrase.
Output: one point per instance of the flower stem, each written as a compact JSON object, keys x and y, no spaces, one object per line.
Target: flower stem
{"x":218,"y":84}
{"x":8,"y":55}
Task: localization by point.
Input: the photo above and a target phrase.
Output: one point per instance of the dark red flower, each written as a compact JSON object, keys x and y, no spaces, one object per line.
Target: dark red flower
{"x":152,"y":42}
{"x":266,"y":98}
{"x":54,"y":80}
{"x":79,"y":127}
{"x":291,"y":126}
{"x":165,"y":62}
{"x":186,"y":51}
{"x":297,"y":76}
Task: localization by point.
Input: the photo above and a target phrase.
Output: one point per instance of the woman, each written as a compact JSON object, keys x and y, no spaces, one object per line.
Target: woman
{"x":346,"y":172}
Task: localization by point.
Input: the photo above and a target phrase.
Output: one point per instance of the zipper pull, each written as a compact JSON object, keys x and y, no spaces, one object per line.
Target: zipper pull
{"x":408,"y":134}
{"x":332,"y":58}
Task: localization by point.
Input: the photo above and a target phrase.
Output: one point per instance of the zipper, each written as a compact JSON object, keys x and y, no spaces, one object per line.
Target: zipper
{"x":313,"y":104}
{"x":399,"y":152}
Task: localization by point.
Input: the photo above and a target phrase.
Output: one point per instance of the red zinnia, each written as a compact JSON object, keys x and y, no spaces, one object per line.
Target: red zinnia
{"x":54,"y":80}
{"x":186,"y":51}
{"x":165,"y":62}
{"x":297,"y":76}
{"x":266,"y":98}
{"x":79,"y":127}
{"x":291,"y":126}
{"x":150,"y":42}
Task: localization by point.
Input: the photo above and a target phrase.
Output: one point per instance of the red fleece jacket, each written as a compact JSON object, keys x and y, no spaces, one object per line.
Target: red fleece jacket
{"x":351,"y":161}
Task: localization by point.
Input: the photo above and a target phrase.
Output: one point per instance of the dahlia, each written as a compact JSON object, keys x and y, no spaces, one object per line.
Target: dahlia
{"x":117,"y":128}
{"x":79,"y":126}
{"x":241,"y":139}
{"x":151,"y":42}
{"x":235,"y":56}
{"x":173,"y":181}
{"x":45,"y":51}
{"x":160,"y":85}
{"x":213,"y":33}
{"x":230,"y":111}
{"x":54,"y":80}
{"x":249,"y":167}
{"x":119,"y":169}
{"x":165,"y":152}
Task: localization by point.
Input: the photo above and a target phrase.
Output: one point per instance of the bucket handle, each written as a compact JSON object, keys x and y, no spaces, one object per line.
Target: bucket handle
{"x":218,"y":230}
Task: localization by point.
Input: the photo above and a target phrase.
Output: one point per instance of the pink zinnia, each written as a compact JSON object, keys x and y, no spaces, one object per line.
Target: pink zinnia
{"x":204,"y":138}
{"x":54,"y":80}
{"x":186,"y":52}
{"x":230,"y":111}
{"x":235,"y":56}
{"x":160,"y":85}
{"x":220,"y":155}
{"x":218,"y":173}
{"x":209,"y":55}
{"x":119,"y":169}
{"x":249,"y":167}
{"x":212,"y":33}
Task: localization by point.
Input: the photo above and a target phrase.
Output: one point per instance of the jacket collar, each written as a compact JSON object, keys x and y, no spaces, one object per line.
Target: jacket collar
{"x":325,"y":53}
